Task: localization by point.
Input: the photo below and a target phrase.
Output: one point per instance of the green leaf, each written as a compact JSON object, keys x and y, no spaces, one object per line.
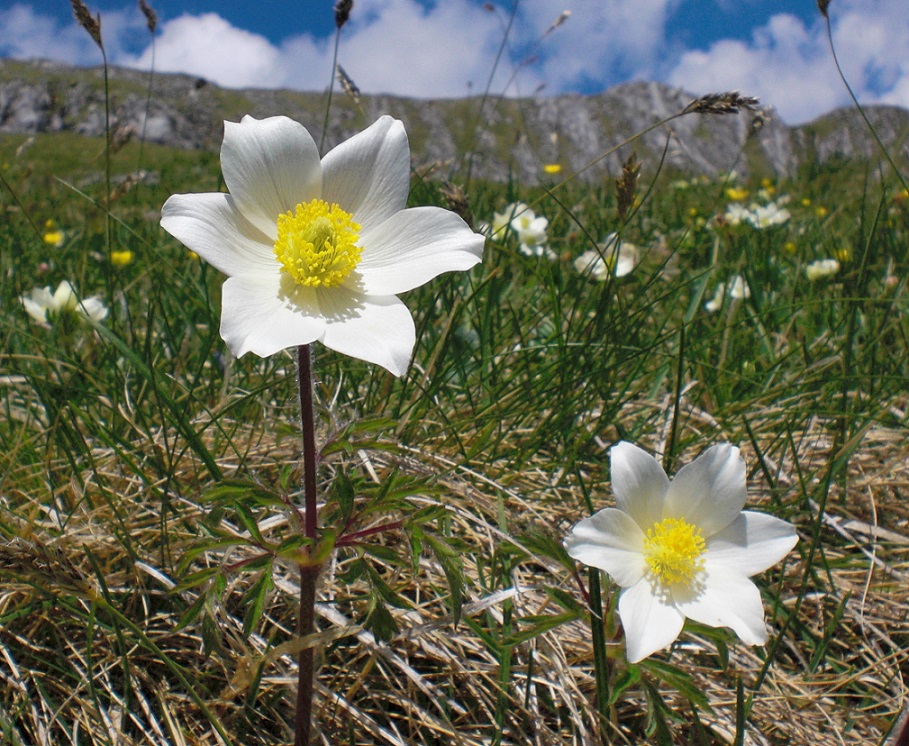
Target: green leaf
{"x":451,"y":565}
{"x":256,"y":599}
{"x":677,"y":679}
{"x":623,"y":682}
{"x":380,"y":622}
{"x":540,"y":625}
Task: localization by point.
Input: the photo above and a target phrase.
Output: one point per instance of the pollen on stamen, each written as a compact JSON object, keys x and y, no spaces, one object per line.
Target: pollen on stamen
{"x":673,"y":549}
{"x":317,"y":244}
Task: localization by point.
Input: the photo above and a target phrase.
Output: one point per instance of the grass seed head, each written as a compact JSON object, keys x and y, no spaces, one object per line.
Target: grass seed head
{"x":342,"y":12}
{"x":151,"y":18}
{"x":347,"y":85}
{"x":86,"y":20}
{"x":730,"y":102}
{"x":627,"y":184}
{"x":457,"y":201}
{"x":822,"y":6}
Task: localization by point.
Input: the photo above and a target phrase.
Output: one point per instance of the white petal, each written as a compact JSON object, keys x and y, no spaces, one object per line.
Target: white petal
{"x":611,"y":541}
{"x":369,"y":174}
{"x":64,"y":297}
{"x":211,"y":225}
{"x":710,"y":491}
{"x":264,"y":313}
{"x":752,"y":543}
{"x":37,"y":310}
{"x":378,"y":330}
{"x":413,"y":246}
{"x":94,"y":308}
{"x":727,"y":599}
{"x":650,"y":622}
{"x":639,"y":484}
{"x":270,"y":166}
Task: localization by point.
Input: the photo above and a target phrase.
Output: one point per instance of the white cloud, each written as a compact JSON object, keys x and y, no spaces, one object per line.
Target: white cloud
{"x":27,"y":34}
{"x":788,"y":64}
{"x":211,"y":48}
{"x":404,"y":47}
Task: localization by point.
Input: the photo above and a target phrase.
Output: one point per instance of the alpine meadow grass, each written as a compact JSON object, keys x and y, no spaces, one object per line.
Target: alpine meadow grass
{"x":747,"y":335}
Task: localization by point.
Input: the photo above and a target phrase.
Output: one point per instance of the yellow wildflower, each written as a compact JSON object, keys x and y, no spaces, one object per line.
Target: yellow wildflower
{"x":121,"y":258}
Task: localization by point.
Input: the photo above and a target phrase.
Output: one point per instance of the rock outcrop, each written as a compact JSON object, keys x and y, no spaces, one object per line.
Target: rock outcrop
{"x":496,"y":138}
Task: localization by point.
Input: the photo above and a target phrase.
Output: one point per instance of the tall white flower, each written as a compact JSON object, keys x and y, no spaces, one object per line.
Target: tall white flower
{"x":618,"y":258}
{"x":318,"y":249}
{"x":42,"y":305}
{"x":682,"y":548}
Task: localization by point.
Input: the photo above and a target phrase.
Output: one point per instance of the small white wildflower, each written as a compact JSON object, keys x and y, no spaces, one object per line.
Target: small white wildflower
{"x":42,"y":305}
{"x":822,"y":268}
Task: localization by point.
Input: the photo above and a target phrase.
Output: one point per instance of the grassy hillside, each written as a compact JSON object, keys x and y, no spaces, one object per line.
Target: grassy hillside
{"x":142,"y":469}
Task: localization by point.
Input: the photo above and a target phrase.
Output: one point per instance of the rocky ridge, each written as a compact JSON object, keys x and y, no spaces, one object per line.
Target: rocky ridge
{"x":509,"y":138}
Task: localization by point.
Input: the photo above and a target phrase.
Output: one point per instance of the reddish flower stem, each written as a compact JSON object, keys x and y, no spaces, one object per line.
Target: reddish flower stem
{"x":356,"y":536}
{"x":308,"y":572}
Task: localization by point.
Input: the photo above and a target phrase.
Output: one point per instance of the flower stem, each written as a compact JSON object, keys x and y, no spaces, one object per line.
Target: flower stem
{"x":308,"y":572}
{"x":600,"y":659}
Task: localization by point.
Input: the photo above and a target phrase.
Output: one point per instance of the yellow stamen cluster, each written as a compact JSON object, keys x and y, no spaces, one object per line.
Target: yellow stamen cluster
{"x":673,"y":549}
{"x":317,"y":244}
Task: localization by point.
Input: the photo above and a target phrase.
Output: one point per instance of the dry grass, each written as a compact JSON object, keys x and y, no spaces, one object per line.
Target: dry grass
{"x":91,"y":641}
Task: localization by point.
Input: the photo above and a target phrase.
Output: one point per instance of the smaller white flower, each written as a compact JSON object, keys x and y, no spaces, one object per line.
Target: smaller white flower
{"x":767,"y":216}
{"x":736,"y":289}
{"x":42,"y":305}
{"x":821,"y":269}
{"x":611,"y":257}
{"x":531,"y":232}
{"x":682,"y":548}
{"x":501,"y":221}
{"x":736,"y":213}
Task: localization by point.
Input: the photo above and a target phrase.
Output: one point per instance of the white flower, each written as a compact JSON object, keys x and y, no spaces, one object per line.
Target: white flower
{"x":501,"y":221}
{"x":531,"y":231}
{"x":682,"y":549}
{"x":42,"y":305}
{"x":767,"y":216}
{"x":319,"y":249}
{"x":621,"y":259}
{"x":737,"y":289}
{"x":821,"y":268}
{"x":736,"y":213}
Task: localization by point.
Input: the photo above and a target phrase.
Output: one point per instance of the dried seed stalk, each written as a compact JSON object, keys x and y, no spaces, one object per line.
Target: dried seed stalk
{"x":86,"y":20}
{"x":730,"y":102}
{"x":626,"y":186}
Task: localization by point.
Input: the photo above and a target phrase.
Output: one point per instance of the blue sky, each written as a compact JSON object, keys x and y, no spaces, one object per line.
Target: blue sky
{"x":774,"y":49}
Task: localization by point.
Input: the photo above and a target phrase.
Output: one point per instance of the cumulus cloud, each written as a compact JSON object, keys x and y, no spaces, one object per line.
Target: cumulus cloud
{"x":27,"y":34}
{"x":210,"y":47}
{"x":787,"y":63}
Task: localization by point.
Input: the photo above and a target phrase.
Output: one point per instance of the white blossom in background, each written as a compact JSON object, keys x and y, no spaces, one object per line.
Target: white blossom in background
{"x":821,"y":268}
{"x":613,"y":257}
{"x":767,"y":216}
{"x":682,"y":548}
{"x":43,"y":305}
{"x":317,"y":249}
{"x":735,"y":289}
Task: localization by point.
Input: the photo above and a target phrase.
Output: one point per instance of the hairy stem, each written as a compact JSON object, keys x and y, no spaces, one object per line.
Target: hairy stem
{"x":308,"y":572}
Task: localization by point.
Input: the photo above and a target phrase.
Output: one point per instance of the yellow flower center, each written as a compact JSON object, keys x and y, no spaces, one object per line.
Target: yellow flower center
{"x":673,"y":549}
{"x":317,"y":244}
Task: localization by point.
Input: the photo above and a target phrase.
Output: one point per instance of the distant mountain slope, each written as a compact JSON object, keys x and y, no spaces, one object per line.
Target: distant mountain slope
{"x":510,"y":138}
